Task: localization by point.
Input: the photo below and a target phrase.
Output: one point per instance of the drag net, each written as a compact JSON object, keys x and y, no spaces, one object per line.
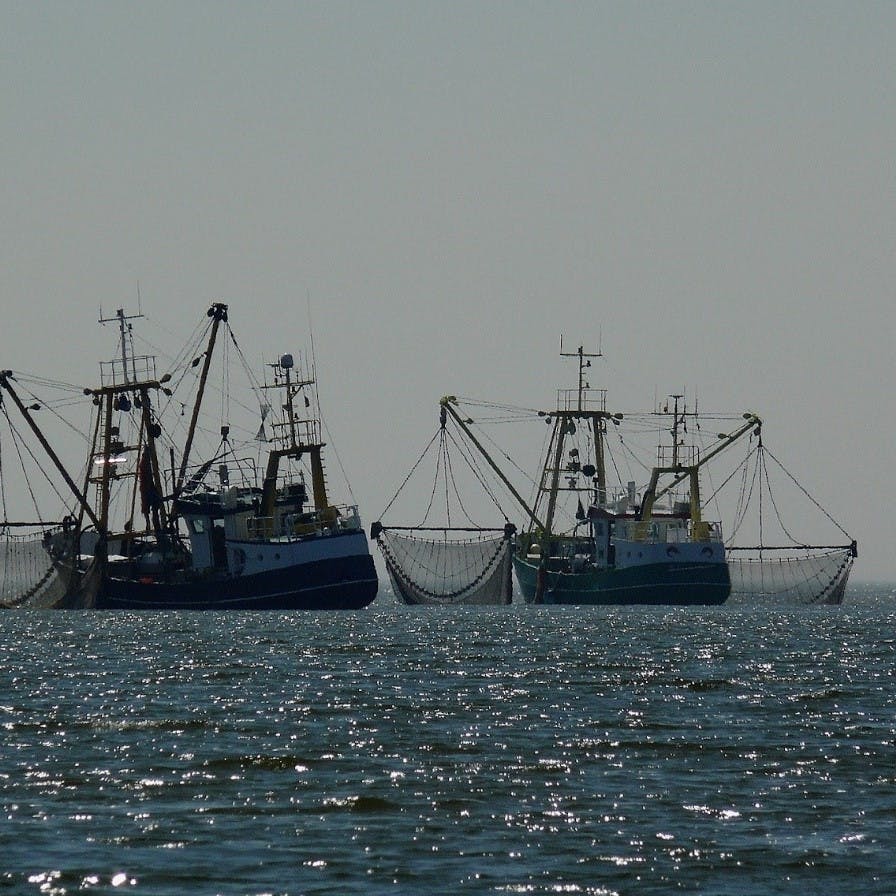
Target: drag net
{"x":813,"y":577}
{"x":35,"y":567}
{"x":426,"y":570}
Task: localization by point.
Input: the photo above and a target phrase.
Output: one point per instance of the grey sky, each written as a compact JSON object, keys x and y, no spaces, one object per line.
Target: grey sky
{"x":455,"y":185}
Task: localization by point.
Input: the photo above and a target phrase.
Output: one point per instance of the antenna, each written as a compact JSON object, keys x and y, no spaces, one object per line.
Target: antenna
{"x":581,"y":354}
{"x":124,"y":333}
{"x":313,"y":355}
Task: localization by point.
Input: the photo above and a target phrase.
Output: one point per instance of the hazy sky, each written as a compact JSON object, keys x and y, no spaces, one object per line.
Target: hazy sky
{"x":708,"y":187}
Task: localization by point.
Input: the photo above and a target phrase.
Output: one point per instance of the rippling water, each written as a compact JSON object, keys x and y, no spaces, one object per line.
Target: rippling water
{"x":431,"y":750}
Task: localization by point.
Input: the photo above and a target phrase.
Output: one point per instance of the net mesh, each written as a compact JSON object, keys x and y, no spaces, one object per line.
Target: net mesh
{"x":817,"y":577}
{"x":33,"y":567}
{"x":427,"y":570}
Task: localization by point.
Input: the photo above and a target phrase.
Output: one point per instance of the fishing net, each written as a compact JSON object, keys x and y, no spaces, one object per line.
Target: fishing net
{"x":794,"y":576}
{"x":35,"y":567}
{"x":448,"y":570}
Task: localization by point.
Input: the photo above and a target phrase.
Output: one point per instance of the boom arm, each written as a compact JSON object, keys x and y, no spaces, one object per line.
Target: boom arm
{"x":447,"y":404}
{"x":5,"y":377}
{"x":683,"y":473}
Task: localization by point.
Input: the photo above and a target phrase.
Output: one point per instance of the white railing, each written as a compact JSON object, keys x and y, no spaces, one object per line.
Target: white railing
{"x":329,"y":521}
{"x":592,"y":399}
{"x":664,"y":532}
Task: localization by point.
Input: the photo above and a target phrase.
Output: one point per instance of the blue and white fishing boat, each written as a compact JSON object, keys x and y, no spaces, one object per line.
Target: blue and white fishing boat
{"x":255,"y":538}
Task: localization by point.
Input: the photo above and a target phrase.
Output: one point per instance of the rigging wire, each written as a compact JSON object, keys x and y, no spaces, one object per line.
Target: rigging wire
{"x":435,"y":483}
{"x":182,"y":359}
{"x":18,"y":443}
{"x":474,"y":463}
{"x":806,"y":493}
{"x":447,"y":471}
{"x":411,"y":473}
{"x":49,"y":406}
{"x":477,"y":472}
{"x":335,"y":451}
{"x":771,"y":496}
{"x":714,"y":495}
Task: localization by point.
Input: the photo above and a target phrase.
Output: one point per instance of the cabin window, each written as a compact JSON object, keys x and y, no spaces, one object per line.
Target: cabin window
{"x":197,"y":526}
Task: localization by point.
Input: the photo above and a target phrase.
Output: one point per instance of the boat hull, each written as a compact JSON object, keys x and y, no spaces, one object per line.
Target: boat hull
{"x":654,"y":584}
{"x":346,"y":584}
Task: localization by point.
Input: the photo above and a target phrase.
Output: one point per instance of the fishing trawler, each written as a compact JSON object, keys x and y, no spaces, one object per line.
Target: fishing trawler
{"x":243,"y":542}
{"x":585,"y":542}
{"x":623,"y":548}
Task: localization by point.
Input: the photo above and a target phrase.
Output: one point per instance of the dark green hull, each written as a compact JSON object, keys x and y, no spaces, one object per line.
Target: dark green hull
{"x":656,"y":584}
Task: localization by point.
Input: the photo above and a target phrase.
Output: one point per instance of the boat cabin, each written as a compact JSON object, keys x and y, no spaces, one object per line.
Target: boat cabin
{"x":215,"y":517}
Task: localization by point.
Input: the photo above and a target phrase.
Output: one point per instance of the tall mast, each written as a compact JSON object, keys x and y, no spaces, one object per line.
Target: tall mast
{"x":597,"y":417}
{"x":293,"y":442}
{"x":218,"y":313}
{"x":107,"y":398}
{"x":600,"y":427}
{"x":560,"y":425}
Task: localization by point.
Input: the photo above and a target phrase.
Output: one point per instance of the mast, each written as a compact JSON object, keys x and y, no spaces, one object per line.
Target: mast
{"x":294,"y":444}
{"x":600,"y":427}
{"x":218,"y":313}
{"x":106,"y":398}
{"x":157,"y":507}
{"x":675,"y":422}
{"x":560,"y":426}
{"x":577,"y":408}
{"x":105,"y":478}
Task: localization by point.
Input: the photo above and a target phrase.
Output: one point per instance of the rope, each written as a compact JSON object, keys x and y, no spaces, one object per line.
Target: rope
{"x":741,"y":467}
{"x":448,"y":471}
{"x":411,"y":473}
{"x":772,"y":497}
{"x":803,"y":490}
{"x":16,"y":444}
{"x":477,"y":472}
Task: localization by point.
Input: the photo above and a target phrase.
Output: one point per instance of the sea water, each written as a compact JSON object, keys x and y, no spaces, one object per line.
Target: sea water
{"x":402,"y":749}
